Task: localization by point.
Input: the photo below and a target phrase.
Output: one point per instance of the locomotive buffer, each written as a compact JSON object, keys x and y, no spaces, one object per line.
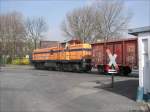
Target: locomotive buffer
{"x":113,"y":65}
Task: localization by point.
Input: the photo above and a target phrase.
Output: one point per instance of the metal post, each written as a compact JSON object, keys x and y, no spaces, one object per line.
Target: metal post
{"x":112,"y":78}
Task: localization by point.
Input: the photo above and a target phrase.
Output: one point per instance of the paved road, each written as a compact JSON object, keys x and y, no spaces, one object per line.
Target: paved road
{"x":23,"y":89}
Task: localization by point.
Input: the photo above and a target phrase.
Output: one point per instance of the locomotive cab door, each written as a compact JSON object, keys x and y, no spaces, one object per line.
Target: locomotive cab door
{"x":67,"y":54}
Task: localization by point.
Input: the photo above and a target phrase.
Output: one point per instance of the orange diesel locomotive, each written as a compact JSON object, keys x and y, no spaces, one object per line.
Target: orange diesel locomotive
{"x":70,"y":56}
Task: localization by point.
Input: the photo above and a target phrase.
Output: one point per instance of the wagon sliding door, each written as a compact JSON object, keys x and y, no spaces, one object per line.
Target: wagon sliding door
{"x":110,"y":47}
{"x":130,"y":49}
{"x":118,"y":49}
{"x":98,"y":54}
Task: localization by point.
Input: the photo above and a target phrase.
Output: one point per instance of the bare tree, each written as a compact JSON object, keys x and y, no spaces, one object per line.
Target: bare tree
{"x":111,"y":19}
{"x":79,"y":24}
{"x":11,"y":32}
{"x":35,"y":29}
{"x":102,"y":20}
{"x":17,"y":35}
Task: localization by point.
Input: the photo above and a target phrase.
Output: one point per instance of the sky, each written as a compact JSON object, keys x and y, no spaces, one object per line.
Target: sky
{"x":54,"y":11}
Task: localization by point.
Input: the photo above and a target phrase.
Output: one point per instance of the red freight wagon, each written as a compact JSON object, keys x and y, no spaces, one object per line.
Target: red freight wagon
{"x":126,"y":51}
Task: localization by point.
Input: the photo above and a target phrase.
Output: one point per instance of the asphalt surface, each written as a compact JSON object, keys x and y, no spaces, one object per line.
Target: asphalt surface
{"x":23,"y":89}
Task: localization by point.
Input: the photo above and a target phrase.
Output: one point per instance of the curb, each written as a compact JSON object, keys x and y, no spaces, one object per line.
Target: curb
{"x":145,"y":107}
{"x":148,"y":107}
{"x":16,"y":66}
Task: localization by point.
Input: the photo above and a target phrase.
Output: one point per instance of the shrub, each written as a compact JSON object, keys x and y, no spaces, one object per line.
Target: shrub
{"x":21,"y":61}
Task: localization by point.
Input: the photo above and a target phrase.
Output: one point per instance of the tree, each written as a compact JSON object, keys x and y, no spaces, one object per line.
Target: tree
{"x":35,"y":28}
{"x":111,"y":19}
{"x":79,"y":24}
{"x":101,"y":20}
{"x":11,"y":33}
{"x":17,"y":35}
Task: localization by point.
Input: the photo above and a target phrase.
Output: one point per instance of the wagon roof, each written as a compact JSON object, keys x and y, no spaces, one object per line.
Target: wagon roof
{"x":120,"y":40}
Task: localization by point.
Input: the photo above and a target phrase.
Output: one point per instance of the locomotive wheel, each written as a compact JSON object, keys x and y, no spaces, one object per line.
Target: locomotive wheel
{"x":36,"y":66}
{"x":64,"y":67}
{"x":76,"y":68}
{"x":87,"y":69}
{"x":70,"y":67}
{"x":39,"y":66}
{"x":59,"y":67}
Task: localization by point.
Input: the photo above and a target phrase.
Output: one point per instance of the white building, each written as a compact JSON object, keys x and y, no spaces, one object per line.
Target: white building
{"x":143,"y":34}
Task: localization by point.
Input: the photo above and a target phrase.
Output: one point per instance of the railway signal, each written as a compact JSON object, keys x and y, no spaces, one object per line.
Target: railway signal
{"x":112,"y":64}
{"x":112,"y":58}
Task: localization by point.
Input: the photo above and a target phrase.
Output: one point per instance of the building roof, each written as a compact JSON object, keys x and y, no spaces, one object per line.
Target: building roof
{"x":47,"y":44}
{"x":136,"y":31}
{"x":71,"y":41}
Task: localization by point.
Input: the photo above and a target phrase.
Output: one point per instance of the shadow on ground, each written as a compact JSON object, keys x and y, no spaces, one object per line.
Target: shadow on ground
{"x":127,"y":88}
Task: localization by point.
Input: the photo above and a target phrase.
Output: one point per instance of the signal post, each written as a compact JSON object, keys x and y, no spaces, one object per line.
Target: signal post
{"x":113,"y":65}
